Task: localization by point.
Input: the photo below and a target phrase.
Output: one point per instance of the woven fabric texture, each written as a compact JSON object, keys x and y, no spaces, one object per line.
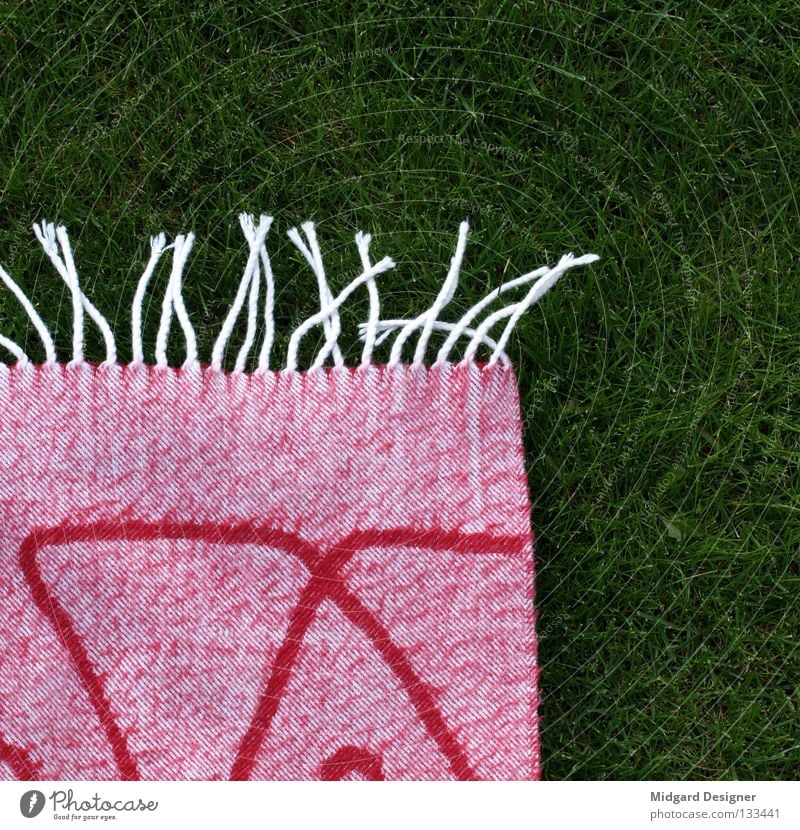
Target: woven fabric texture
{"x":208,"y":575}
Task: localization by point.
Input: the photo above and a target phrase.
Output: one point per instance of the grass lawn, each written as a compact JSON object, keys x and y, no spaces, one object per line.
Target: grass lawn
{"x":661,"y":385}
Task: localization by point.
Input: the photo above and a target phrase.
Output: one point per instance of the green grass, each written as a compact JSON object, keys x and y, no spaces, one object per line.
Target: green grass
{"x":661,"y":386}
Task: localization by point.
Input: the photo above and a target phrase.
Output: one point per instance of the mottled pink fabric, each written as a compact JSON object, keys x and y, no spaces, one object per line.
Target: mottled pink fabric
{"x":269,"y":576}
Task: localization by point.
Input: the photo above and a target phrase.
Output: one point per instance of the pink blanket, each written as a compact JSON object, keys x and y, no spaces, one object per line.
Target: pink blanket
{"x":293,"y":574}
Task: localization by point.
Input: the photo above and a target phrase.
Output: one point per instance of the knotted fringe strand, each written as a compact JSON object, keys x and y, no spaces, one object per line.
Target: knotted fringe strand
{"x":374,"y":332}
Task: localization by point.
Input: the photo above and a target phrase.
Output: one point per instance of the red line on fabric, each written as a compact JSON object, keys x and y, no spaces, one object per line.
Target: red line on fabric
{"x":129,"y":531}
{"x":419,"y":692}
{"x":324,"y":583}
{"x":352,"y":759}
{"x":327,"y":584}
{"x":300,"y":621}
{"x":19,"y":760}
{"x":62,"y":623}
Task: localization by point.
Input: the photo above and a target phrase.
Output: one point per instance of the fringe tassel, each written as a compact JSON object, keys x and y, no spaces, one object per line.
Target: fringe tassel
{"x":374,"y":332}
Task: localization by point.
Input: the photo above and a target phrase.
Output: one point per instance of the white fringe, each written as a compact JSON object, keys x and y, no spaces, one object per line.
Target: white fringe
{"x":38,"y":323}
{"x":269,"y":312}
{"x":11,"y":346}
{"x":514,"y":312}
{"x":331,"y":308}
{"x":362,"y":243}
{"x":255,"y":237}
{"x":47,"y":234}
{"x":388,"y":327}
{"x":428,"y":318}
{"x":158,"y":244}
{"x":252,"y":314}
{"x":173,"y":301}
{"x":462,"y":327}
{"x":374,"y":332}
{"x":331,"y":324}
